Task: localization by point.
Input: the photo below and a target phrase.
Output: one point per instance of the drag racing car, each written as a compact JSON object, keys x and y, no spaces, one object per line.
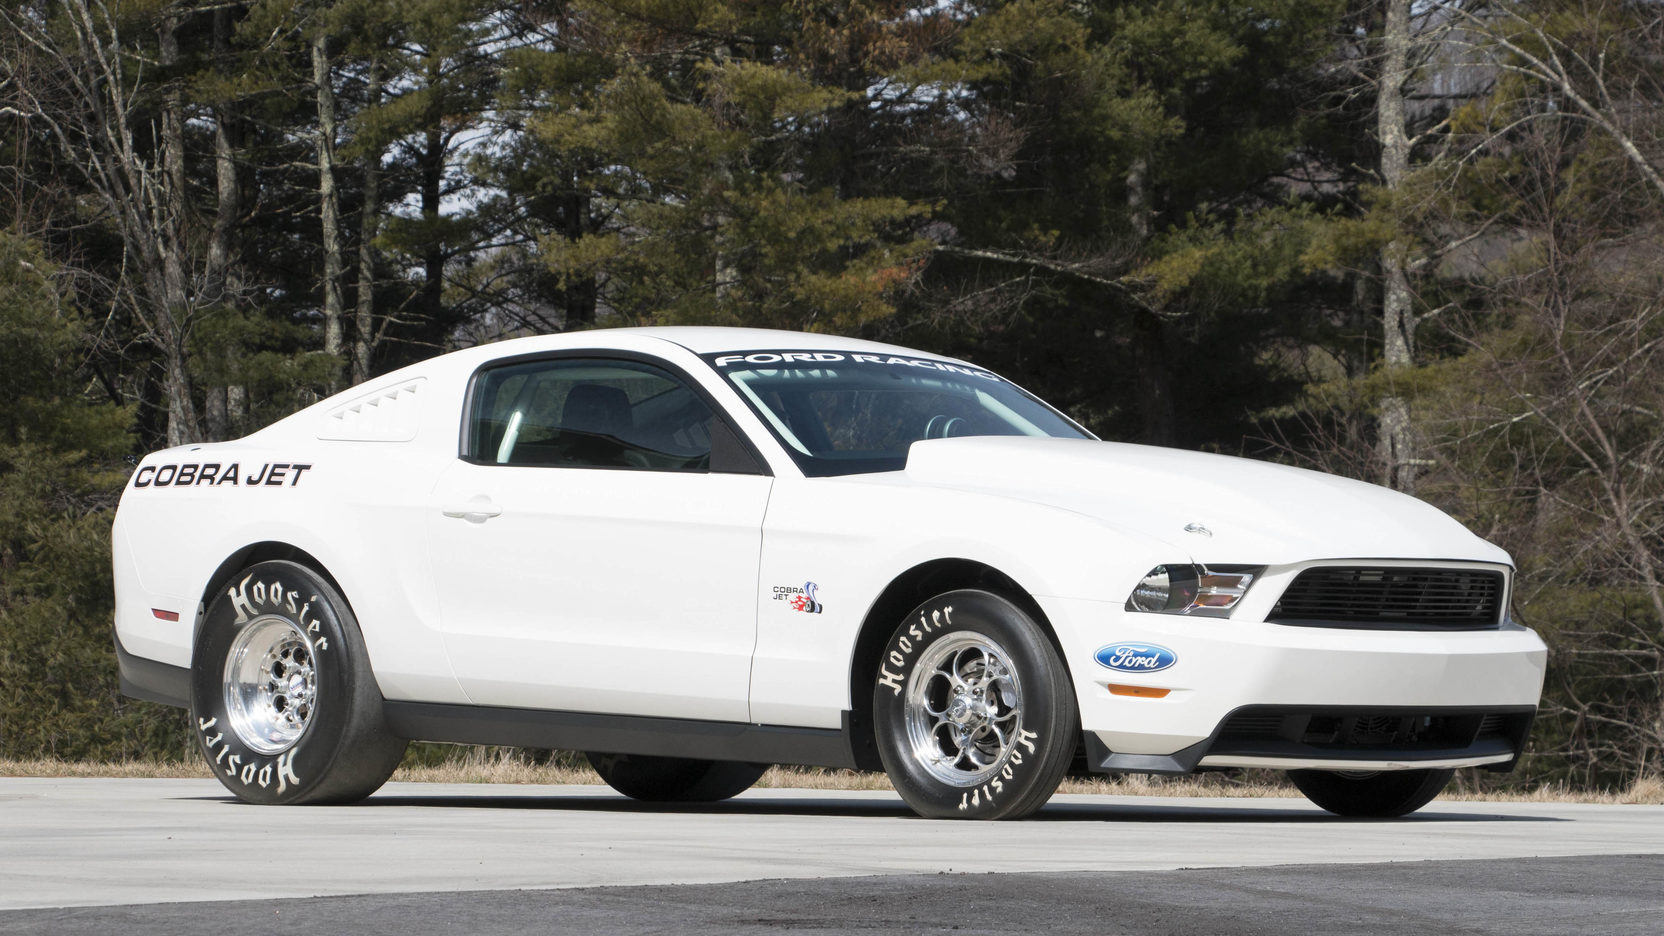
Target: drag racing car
{"x":694,"y":552}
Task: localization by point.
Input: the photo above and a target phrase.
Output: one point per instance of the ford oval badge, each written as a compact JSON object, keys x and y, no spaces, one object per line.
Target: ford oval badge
{"x":1136,"y":657}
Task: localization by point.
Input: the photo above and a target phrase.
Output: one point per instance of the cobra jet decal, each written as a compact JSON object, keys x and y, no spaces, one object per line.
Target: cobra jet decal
{"x":216,"y":474}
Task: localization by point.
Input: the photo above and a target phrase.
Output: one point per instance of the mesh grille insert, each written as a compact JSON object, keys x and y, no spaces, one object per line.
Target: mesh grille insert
{"x":1393,"y":599}
{"x":1296,"y":731}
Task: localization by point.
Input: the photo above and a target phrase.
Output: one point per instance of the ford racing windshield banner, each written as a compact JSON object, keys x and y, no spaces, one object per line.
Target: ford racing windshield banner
{"x":762,"y":360}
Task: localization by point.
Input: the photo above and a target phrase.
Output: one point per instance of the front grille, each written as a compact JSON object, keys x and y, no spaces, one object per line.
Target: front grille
{"x":1392,"y":599}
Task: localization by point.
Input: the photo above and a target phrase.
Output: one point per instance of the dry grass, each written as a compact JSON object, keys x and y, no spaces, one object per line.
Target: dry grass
{"x":1647,"y":791}
{"x":504,"y":765}
{"x":144,"y":770}
{"x":506,"y":770}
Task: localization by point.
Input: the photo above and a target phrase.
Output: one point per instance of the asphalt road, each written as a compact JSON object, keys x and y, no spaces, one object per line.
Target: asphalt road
{"x":180,"y":857}
{"x":1525,"y":897}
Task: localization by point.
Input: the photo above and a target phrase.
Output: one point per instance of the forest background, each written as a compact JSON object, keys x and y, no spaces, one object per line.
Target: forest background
{"x":1417,"y":243}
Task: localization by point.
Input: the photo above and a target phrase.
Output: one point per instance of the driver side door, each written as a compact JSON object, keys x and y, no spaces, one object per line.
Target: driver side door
{"x":589,"y":558}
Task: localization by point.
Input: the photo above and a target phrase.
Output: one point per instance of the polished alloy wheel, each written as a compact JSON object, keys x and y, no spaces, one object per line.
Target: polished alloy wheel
{"x":271,"y":684}
{"x":964,"y":709}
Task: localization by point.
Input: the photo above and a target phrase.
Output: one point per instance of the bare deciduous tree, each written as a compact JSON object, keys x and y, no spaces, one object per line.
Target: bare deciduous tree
{"x":75,"y":73}
{"x":1599,"y":64}
{"x":1555,"y":433}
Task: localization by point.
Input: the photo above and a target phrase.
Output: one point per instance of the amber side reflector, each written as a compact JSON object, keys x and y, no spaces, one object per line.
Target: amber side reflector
{"x":165,"y":615}
{"x":1142,"y":692}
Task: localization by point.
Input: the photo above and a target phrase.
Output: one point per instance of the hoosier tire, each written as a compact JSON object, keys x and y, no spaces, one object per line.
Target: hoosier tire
{"x":1381,"y":795}
{"x":674,"y":779}
{"x":973,"y":710}
{"x":285,"y":707}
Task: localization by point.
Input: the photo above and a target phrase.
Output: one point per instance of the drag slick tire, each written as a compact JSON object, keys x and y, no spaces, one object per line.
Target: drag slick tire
{"x":1378,"y":795}
{"x":973,"y":710}
{"x":284,"y":704}
{"x":674,"y":779}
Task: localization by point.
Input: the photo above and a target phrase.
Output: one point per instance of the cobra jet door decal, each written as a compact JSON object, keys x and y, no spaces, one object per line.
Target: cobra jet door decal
{"x":800,"y":599}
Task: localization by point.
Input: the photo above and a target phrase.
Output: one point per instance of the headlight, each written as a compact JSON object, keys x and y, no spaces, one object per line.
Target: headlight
{"x":1205,"y":591}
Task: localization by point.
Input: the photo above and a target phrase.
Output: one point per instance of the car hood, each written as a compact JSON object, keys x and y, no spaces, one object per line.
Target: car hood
{"x":1253,"y":512}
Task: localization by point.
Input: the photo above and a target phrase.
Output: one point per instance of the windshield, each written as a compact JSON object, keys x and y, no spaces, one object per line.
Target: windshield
{"x":839,"y":412}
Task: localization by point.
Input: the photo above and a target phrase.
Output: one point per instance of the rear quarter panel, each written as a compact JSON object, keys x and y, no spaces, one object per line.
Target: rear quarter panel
{"x":356,"y":506}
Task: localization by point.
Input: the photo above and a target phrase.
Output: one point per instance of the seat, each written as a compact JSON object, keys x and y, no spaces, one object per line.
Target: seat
{"x":597,"y":410}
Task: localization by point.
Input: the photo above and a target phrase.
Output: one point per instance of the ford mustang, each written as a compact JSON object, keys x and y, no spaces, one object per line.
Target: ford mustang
{"x":694,"y":552}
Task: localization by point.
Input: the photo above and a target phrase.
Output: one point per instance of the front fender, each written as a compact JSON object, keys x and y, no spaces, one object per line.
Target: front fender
{"x":851,"y":538}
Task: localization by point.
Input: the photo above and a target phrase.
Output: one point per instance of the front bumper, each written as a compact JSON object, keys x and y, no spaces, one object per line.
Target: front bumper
{"x":1329,"y":738}
{"x":1255,"y":694}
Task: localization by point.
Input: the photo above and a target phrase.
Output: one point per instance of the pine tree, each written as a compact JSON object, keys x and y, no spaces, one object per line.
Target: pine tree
{"x":1121,"y":199}
{"x":690,"y":148}
{"x":59,"y":477}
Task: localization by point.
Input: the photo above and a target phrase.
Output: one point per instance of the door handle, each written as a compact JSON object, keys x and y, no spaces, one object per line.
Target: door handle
{"x":477,"y":510}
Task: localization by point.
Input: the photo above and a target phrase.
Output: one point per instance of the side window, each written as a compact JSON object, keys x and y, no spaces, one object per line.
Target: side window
{"x":588,"y":413}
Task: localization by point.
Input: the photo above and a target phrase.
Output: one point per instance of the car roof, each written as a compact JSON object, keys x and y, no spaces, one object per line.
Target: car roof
{"x":701,"y":339}
{"x":709,"y":340}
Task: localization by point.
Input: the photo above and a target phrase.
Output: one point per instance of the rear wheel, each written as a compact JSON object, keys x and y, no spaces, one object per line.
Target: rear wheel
{"x":1379,"y":795}
{"x":285,"y":706}
{"x":674,"y":779}
{"x":973,"y":710}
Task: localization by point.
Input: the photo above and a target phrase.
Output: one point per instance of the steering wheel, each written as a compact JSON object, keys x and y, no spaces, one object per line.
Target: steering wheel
{"x":942,"y":426}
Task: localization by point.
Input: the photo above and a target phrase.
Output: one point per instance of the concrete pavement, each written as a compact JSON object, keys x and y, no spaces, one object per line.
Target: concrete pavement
{"x":80,"y":842}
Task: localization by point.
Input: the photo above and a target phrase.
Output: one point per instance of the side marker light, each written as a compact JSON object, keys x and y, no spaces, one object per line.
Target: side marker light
{"x":165,"y":615}
{"x":1142,"y":692}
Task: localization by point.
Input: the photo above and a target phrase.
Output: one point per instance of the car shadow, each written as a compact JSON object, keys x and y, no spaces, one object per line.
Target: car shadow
{"x":1252,"y":812}
{"x":1166,"y":813}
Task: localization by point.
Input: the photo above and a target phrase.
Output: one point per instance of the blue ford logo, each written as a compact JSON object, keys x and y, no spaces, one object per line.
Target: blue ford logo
{"x":1136,"y":657}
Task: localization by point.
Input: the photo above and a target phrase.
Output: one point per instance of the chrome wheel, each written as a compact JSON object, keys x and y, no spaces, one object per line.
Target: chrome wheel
{"x":271,"y":684}
{"x":964,"y":709}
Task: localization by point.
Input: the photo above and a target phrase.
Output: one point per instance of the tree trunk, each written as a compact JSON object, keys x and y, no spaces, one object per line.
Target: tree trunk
{"x":1149,"y":338}
{"x":433,"y":257}
{"x":1138,"y":199}
{"x":1397,"y":441}
{"x":369,"y":222}
{"x":329,"y":201}
{"x":432,"y":179}
{"x":219,"y":283}
{"x":183,"y":426}
{"x":228,"y":195}
{"x":580,"y":295}
{"x":214,"y":414}
{"x":1155,"y":380}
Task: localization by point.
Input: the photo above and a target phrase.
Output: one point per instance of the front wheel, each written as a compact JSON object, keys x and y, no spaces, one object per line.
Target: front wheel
{"x":973,"y":710}
{"x":1378,"y":795}
{"x":285,"y":706}
{"x":674,"y":779}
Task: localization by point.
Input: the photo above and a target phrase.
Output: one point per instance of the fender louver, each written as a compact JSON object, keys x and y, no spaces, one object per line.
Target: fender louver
{"x":1392,"y":599}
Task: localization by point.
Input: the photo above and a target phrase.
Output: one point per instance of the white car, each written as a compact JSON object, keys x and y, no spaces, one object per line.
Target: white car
{"x":693,"y":552}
